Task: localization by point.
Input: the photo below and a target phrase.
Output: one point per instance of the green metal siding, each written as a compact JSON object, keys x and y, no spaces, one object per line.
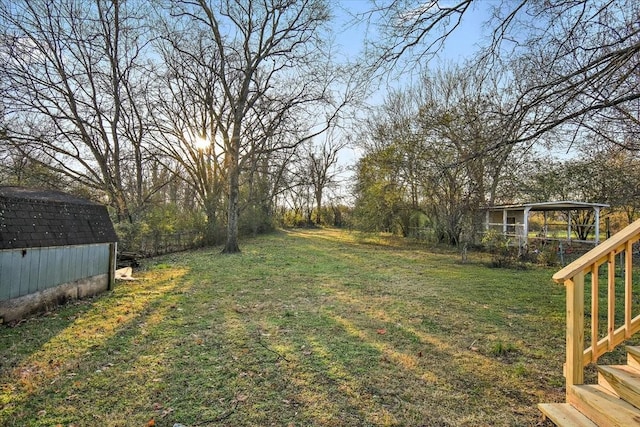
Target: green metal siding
{"x":36,"y":269}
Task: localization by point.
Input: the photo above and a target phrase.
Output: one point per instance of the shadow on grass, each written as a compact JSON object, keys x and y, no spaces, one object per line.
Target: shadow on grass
{"x":308,"y":328}
{"x":48,"y":385}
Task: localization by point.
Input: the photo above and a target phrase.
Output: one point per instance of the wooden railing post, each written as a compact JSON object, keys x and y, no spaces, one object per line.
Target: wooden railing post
{"x":628,"y":288}
{"x":574,"y":373}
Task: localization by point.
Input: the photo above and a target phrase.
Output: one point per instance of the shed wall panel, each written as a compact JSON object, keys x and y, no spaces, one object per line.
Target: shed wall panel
{"x":101,"y":259}
{"x":71,"y":266}
{"x":495,"y":217}
{"x":56,"y":264}
{"x":44,"y":268}
{"x":68,"y":255}
{"x":80,"y":258}
{"x":44,"y":271}
{"x":51,"y":269}
{"x":84,"y":257}
{"x":6,"y":272}
{"x":25,"y":264}
{"x":14,"y":274}
{"x":90,"y":260}
{"x":34,"y":271}
{"x":96,"y":261}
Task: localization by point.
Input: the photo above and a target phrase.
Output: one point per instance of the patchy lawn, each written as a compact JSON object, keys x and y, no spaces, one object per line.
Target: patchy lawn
{"x":304,"y":328}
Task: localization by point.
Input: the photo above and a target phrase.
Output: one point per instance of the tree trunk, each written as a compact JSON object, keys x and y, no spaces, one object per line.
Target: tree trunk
{"x":231,"y":247}
{"x":318,"y":207}
{"x":337,"y":216}
{"x":119,"y":202}
{"x":210,"y":207}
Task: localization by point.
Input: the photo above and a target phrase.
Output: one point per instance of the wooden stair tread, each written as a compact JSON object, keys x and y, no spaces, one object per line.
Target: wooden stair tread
{"x":623,"y":380}
{"x":565,"y":415}
{"x":602,"y":407}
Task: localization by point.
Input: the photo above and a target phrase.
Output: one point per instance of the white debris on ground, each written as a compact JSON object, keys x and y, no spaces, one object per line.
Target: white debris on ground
{"x":125,"y":274}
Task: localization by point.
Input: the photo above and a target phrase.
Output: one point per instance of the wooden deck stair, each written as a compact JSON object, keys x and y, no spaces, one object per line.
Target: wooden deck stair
{"x":614,"y":401}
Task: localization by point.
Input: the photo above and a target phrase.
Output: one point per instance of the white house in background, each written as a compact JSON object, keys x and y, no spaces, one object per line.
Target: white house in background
{"x":513,"y":220}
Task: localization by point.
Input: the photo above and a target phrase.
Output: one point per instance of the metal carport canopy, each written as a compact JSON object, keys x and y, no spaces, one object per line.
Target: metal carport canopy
{"x":564,"y":205}
{"x":550,"y":206}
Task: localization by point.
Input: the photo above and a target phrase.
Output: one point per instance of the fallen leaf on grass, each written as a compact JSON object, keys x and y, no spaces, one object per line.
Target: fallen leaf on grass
{"x":166,"y":412}
{"x":241,"y":397}
{"x":151,"y":423}
{"x":381,"y":331}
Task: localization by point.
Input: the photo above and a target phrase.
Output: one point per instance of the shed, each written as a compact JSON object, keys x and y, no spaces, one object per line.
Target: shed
{"x":513,"y":220}
{"x":54,"y":247}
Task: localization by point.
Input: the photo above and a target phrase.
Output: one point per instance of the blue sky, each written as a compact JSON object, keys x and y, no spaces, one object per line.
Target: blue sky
{"x":461,"y":44}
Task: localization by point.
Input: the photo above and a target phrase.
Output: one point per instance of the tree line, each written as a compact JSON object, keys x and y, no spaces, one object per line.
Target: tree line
{"x":206,"y":106}
{"x":546,"y":110}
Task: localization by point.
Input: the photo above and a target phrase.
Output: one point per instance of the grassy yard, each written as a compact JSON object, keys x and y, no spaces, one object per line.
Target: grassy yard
{"x":304,"y":328}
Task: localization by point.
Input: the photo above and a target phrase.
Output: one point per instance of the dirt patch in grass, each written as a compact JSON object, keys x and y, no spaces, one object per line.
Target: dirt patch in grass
{"x":304,"y":328}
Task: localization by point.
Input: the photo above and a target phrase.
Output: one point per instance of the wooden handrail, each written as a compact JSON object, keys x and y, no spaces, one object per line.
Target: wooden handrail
{"x":573,"y":277}
{"x":601,"y":251}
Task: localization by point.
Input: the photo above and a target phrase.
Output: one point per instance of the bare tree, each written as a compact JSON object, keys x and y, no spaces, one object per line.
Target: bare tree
{"x":183,"y":117}
{"x":72,"y":79}
{"x":272,"y":71}
{"x":437,"y":146}
{"x":573,"y":63}
{"x":578,"y":67}
{"x":22,"y":168}
{"x":405,"y":33}
{"x":319,"y":167}
{"x":463,"y":113}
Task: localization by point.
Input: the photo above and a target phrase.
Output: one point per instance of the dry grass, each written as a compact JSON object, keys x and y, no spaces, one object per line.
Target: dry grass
{"x":304,"y":328}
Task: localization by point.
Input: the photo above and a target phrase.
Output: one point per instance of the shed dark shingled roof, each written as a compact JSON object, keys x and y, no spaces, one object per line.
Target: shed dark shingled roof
{"x":31,"y":218}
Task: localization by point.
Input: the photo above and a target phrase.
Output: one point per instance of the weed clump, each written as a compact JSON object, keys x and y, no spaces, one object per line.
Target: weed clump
{"x":502,"y":349}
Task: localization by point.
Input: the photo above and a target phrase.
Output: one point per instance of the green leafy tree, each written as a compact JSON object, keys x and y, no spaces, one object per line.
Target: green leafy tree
{"x":380,"y":203}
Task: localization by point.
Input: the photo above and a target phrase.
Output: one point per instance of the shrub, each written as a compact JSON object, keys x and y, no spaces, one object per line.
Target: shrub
{"x":498,"y":245}
{"x":548,"y":256}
